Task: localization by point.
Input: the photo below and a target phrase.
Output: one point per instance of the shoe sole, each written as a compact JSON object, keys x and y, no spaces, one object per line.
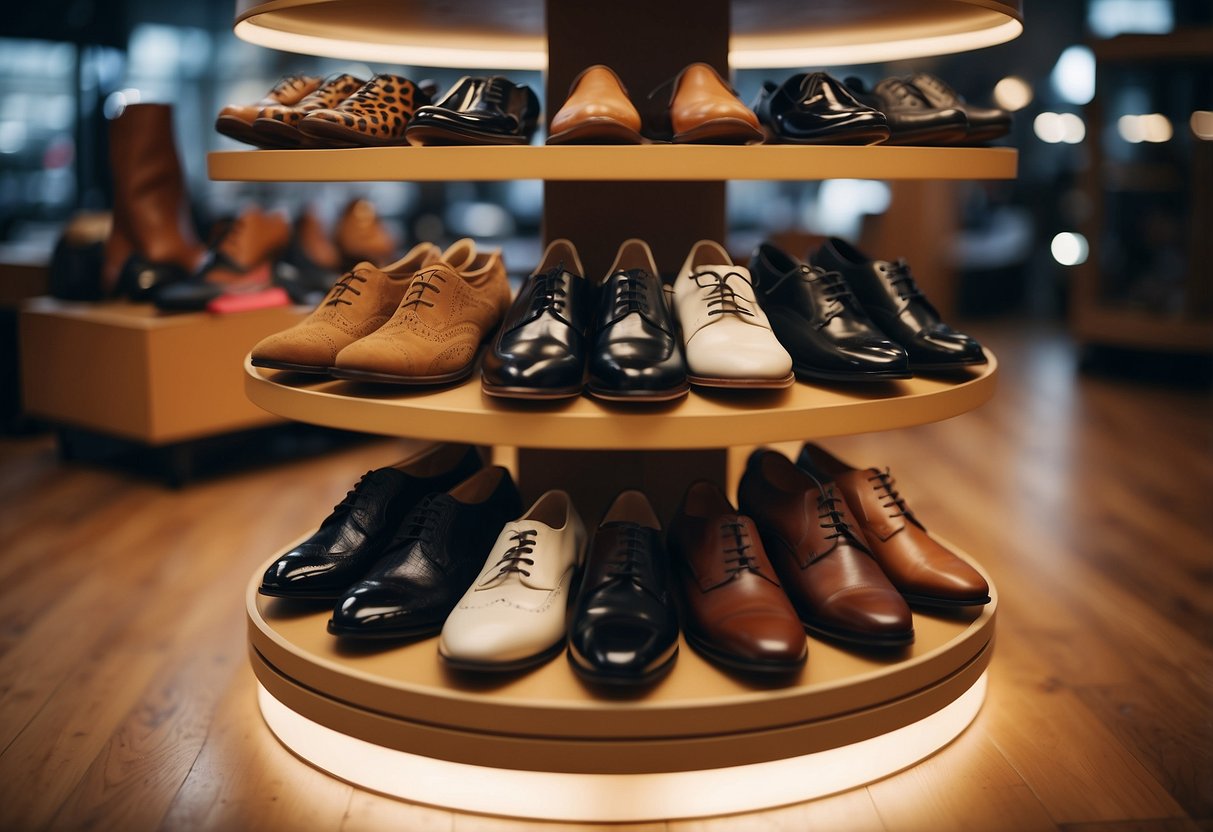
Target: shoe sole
{"x":503,"y":667}
{"x":743,"y":383}
{"x":744,"y":665}
{"x":239,"y":130}
{"x":300,"y":596}
{"x":530,"y":393}
{"x":286,"y":365}
{"x":332,"y":134}
{"x":403,"y":381}
{"x":278,"y":134}
{"x":643,"y":396}
{"x":429,"y":135}
{"x":598,"y":131}
{"x":616,"y":680}
{"x":862,"y":136}
{"x":721,"y":131}
{"x":892,"y":641}
{"x":944,"y":603}
{"x":825,"y":375}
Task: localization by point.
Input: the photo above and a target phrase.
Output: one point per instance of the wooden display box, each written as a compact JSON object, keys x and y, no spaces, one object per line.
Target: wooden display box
{"x":126,"y":370}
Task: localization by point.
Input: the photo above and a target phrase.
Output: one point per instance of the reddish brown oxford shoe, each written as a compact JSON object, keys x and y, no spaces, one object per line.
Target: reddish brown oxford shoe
{"x":735,"y":611}
{"x":925,"y":572}
{"x":837,"y":587}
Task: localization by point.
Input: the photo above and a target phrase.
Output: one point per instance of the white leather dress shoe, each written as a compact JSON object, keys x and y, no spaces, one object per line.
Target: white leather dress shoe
{"x":514,"y":614}
{"x":728,"y":339}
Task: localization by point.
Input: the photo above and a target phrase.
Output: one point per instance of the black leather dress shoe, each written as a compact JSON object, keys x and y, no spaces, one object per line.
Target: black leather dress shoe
{"x":820,"y":322}
{"x":540,"y":349}
{"x":985,"y":123}
{"x":624,"y":629}
{"x":636,"y":355}
{"x":492,"y":110}
{"x":912,"y":118}
{"x":894,"y":302}
{"x":433,"y":558}
{"x":813,"y":108}
{"x":354,"y":536}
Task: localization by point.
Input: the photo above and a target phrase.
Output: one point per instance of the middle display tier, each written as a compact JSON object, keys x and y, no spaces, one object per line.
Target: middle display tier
{"x":701,"y":420}
{"x":613,"y":163}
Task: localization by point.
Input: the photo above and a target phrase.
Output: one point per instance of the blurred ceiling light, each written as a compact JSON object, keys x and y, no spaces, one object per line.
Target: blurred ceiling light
{"x":1108,"y":18}
{"x":1073,"y":130}
{"x":1012,"y":93}
{"x":1150,"y":127}
{"x":12,"y":136}
{"x":1054,"y":128}
{"x":1069,"y":248}
{"x":1073,"y":76}
{"x":1202,"y":124}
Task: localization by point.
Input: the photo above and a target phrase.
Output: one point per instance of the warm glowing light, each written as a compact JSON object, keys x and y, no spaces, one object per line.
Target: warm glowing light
{"x":1059,"y":127}
{"x":1074,"y":75}
{"x":1150,"y":127}
{"x":617,"y":797}
{"x":1069,"y":248}
{"x":1012,"y":93}
{"x":1202,"y":124}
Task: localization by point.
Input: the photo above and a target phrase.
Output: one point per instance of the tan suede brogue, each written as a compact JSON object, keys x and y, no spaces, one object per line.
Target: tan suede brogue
{"x":363,"y":300}
{"x":597,"y":111}
{"x":236,"y":120}
{"x":704,"y":109}
{"x":438,"y":328}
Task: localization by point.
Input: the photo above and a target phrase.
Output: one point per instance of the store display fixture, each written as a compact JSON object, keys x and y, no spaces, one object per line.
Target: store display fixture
{"x":701,"y":741}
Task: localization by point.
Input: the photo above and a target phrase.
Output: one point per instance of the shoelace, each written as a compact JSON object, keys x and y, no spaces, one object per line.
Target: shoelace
{"x":907,"y":96}
{"x":494,"y":90}
{"x":524,"y":544}
{"x":901,"y":279}
{"x":549,"y":291}
{"x":421,"y":523}
{"x":885,"y":482}
{"x":742,"y":559}
{"x":353,"y":499}
{"x":936,"y":85}
{"x":830,"y":517}
{"x":286,"y":83}
{"x":414,"y":296}
{"x":631,"y":293}
{"x":625,"y":561}
{"x":345,"y":284}
{"x":721,"y":294}
{"x":836,"y":291}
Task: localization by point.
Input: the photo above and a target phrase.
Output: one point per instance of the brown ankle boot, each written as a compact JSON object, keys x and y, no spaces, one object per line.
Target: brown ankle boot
{"x":153,"y":239}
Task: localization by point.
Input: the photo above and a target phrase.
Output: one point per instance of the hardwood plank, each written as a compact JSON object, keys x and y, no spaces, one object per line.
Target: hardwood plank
{"x":368,"y":812}
{"x":852,"y":811}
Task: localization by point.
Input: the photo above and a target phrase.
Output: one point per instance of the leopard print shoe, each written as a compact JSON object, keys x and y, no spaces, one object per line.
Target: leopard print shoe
{"x":375,"y":115}
{"x":236,"y":120}
{"x":278,"y":126}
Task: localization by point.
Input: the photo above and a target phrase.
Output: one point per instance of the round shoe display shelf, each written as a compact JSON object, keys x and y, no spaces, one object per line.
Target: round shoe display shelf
{"x":495,"y":35}
{"x":701,"y":420}
{"x":543,"y":744}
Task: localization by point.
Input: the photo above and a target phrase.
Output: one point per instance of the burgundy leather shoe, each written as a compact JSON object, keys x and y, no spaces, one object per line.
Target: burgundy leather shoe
{"x":925,"y":572}
{"x":825,"y":566}
{"x":735,"y":611}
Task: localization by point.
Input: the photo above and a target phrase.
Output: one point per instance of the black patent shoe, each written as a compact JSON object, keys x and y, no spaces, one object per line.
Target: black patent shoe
{"x":141,"y":280}
{"x":354,"y":536}
{"x":895,"y":304}
{"x":820,"y":322}
{"x":912,"y":118}
{"x":813,"y":108}
{"x":636,"y":355}
{"x":540,"y":348}
{"x":490,"y":110}
{"x":431,"y":560}
{"x":624,"y":629}
{"x":985,"y":123}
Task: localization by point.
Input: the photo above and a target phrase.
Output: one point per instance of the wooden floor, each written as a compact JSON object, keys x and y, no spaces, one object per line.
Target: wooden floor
{"x":126,"y":702}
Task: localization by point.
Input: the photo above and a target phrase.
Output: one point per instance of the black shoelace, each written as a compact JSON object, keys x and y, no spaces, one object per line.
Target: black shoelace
{"x":414,"y":296}
{"x":625,"y":561}
{"x":549,"y":291}
{"x":886,"y":484}
{"x":830,"y":517}
{"x":353,"y":499}
{"x":494,"y":91}
{"x":421,"y":523}
{"x":721,"y":294}
{"x":513,"y":557}
{"x":345,"y":284}
{"x":631,"y":293}
{"x":902,"y":281}
{"x":835,"y":290}
{"x":742,"y":558}
{"x":907,"y":96}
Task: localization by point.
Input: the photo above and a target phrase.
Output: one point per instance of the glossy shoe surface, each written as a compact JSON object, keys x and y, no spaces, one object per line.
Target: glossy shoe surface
{"x":985,"y":123}
{"x":478,"y":110}
{"x":821,"y":323}
{"x":912,"y":119}
{"x":813,"y":108}
{"x":431,"y":560}
{"x":597,"y":111}
{"x":704,"y":109}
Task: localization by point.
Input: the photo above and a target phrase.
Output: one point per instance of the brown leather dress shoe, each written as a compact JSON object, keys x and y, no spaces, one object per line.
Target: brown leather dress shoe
{"x":704,"y":109}
{"x":597,"y":111}
{"x":735,"y":611}
{"x":825,"y":566}
{"x":437,"y":331}
{"x":277,"y":125}
{"x":925,"y":572}
{"x":360,"y":302}
{"x":236,"y":120}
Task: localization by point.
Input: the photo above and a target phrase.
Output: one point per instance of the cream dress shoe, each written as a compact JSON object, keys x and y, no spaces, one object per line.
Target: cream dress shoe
{"x":513,"y":616}
{"x":728,"y":339}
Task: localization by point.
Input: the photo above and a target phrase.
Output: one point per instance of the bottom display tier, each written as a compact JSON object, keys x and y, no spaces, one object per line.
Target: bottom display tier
{"x":392,"y":718}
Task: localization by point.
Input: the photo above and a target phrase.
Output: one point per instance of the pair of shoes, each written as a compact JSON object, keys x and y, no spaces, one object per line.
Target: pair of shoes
{"x":236,"y":120}
{"x":357,"y":532}
{"x":432,"y":559}
{"x":734,"y":609}
{"x":617,"y":339}
{"x":341,"y":111}
{"x":702,"y":108}
{"x":417,"y":321}
{"x":923,"y":110}
{"x":814,"y":108}
{"x":490,"y":110}
{"x":845,"y":317}
{"x":514,"y":615}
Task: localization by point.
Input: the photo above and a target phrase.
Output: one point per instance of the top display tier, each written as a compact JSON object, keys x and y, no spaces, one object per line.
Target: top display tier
{"x":510,"y":35}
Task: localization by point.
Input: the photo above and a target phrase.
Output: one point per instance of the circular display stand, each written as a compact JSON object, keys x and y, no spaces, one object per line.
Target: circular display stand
{"x":543,"y":744}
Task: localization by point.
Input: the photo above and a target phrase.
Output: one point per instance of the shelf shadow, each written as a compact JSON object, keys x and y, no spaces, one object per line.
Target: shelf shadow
{"x":286,"y":609}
